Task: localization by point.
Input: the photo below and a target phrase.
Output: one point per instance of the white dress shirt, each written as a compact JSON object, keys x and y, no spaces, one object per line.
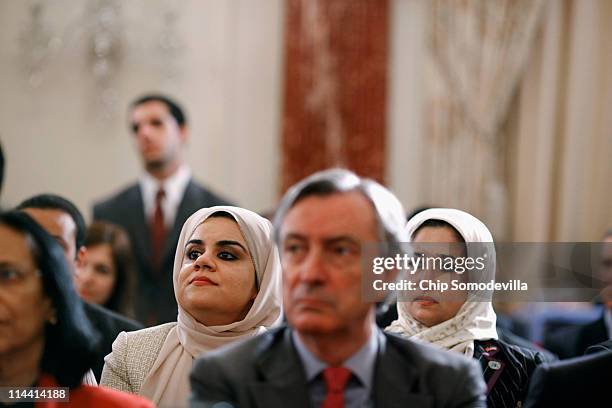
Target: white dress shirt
{"x":174,"y":187}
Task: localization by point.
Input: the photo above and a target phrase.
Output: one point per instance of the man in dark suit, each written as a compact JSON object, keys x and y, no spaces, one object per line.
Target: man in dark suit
{"x":574,"y":340}
{"x":577,"y":382}
{"x":331,"y":354}
{"x":603,"y":346}
{"x":64,"y":222}
{"x":154,"y":209}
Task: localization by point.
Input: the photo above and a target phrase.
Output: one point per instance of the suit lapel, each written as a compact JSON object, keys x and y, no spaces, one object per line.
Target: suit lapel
{"x":138,"y":224}
{"x":395,"y":378}
{"x":595,"y":332}
{"x":184,"y":211}
{"x":283,"y":382}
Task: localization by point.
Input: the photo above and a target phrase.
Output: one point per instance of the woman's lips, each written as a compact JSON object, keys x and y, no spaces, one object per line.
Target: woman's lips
{"x":202,"y":281}
{"x":425,"y":300}
{"x":86,"y":294}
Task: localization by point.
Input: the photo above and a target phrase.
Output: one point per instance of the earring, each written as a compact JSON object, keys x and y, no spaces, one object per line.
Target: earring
{"x":52,"y":319}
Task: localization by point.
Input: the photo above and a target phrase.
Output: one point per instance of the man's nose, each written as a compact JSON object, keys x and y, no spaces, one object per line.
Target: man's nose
{"x":314,"y":268}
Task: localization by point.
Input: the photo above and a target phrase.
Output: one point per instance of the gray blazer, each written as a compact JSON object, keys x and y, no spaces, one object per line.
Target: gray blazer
{"x":155,"y":301}
{"x":267,"y":372}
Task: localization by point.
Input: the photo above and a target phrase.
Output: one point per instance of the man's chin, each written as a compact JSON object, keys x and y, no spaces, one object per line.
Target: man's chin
{"x":154,"y":163}
{"x":313,"y":323}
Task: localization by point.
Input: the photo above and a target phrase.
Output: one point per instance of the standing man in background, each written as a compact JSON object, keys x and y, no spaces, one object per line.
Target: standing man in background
{"x":153,"y":209}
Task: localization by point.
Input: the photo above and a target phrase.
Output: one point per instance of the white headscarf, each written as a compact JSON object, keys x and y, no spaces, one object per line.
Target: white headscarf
{"x":476,"y":318}
{"x":167,"y":384}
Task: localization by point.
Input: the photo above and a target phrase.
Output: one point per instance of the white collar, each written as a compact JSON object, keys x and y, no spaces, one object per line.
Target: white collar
{"x":174,"y":188}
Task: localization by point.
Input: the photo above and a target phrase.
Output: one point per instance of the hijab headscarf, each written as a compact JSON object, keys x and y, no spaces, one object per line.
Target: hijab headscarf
{"x":476,"y":318}
{"x":167,"y":384}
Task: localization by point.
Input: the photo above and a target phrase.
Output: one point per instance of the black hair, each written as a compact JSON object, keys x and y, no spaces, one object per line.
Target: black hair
{"x":222,"y":214}
{"x":56,"y":202}
{"x":173,"y":107}
{"x":435,"y":223}
{"x":71,"y":341}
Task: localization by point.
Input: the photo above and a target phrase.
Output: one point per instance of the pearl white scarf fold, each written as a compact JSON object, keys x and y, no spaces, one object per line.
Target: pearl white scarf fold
{"x":167,"y":384}
{"x":476,"y":318}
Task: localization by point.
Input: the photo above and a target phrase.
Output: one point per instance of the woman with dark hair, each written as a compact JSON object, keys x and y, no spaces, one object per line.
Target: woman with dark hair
{"x":463,"y":321}
{"x":106,"y":274}
{"x":45,"y":337}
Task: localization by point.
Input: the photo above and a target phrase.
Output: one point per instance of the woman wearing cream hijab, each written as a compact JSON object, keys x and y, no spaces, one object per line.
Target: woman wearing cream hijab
{"x":465,"y":323}
{"x":227,"y":285}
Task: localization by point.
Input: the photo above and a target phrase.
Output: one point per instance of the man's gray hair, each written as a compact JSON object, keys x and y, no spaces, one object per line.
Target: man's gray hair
{"x":388,"y":209}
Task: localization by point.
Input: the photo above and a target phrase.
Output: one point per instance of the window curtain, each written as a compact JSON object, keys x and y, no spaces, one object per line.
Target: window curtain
{"x":476,"y":54}
{"x":334,"y":100}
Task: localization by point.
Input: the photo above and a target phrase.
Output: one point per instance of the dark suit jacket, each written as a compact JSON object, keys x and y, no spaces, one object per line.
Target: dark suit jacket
{"x":155,"y":302}
{"x":577,"y":382}
{"x":266,"y":371}
{"x":108,"y":324}
{"x":604,"y":346}
{"x":510,"y":337}
{"x":507,"y":369}
{"x":572,"y":341}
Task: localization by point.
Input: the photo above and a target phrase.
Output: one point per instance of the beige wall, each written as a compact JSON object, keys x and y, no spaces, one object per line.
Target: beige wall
{"x":229,"y":79}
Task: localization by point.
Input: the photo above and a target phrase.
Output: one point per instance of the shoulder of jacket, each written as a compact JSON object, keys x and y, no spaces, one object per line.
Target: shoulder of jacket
{"x":118,"y":197}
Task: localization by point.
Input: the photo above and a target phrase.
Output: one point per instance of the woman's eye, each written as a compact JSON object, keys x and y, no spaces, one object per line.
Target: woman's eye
{"x":193,"y":254}
{"x":226,"y":256}
{"x":8,"y":275}
{"x":102,"y":269}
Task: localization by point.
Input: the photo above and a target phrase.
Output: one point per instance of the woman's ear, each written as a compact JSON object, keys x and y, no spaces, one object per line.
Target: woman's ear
{"x":49,"y":311}
{"x":80,"y":257}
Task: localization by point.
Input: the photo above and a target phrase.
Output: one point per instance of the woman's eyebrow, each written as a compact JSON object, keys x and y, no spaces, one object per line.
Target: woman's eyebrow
{"x":194,"y":241}
{"x":227,"y":242}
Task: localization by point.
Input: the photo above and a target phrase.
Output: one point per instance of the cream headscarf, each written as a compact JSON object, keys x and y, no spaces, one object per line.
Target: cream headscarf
{"x":475,"y":320}
{"x":167,"y":384}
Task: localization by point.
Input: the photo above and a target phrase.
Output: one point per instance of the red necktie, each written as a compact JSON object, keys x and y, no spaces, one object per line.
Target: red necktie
{"x":158,"y":230}
{"x":335,"y":380}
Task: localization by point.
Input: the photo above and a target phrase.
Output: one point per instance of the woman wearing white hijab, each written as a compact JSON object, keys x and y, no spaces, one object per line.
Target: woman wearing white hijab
{"x":466,"y":324}
{"x":227,"y":285}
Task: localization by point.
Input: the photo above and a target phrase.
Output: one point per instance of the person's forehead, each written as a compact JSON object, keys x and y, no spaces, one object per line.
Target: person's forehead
{"x":218,"y":228}
{"x":55,"y":221}
{"x":150,"y":109}
{"x":347,"y":213}
{"x":435,"y":234}
{"x":13,"y":246}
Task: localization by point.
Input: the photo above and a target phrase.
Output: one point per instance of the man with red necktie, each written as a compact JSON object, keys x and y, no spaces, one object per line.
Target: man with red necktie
{"x":154,"y":209}
{"x":331,"y":354}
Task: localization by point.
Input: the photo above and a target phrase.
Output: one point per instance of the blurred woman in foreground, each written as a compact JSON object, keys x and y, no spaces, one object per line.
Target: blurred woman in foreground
{"x":45,"y":338}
